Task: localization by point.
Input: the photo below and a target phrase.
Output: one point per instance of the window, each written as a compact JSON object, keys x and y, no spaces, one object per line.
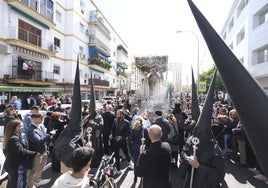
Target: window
{"x":260,"y":17}
{"x":81,"y":28}
{"x":241,"y":60}
{"x":47,"y":3}
{"x":56,"y":69}
{"x":33,"y":4}
{"x":241,"y":6}
{"x":58,"y":16}
{"x":231,"y":46}
{"x":263,"y":55}
{"x":263,"y":17}
{"x":82,"y":6}
{"x":224,"y":36}
{"x":29,"y":33}
{"x":46,"y":8}
{"x":81,"y":50}
{"x":81,"y":53}
{"x":240,"y":36}
{"x":231,"y":24}
{"x":260,"y":55}
{"x":57,"y":42}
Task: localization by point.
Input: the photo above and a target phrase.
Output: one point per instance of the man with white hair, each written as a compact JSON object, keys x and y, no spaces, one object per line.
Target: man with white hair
{"x":153,"y":164}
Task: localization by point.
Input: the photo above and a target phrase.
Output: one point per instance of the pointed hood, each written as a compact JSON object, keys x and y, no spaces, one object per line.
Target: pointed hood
{"x":202,"y":129}
{"x":72,"y":136}
{"x":75,"y":116}
{"x":195,"y":111}
{"x":92,"y":99}
{"x":248,"y":97}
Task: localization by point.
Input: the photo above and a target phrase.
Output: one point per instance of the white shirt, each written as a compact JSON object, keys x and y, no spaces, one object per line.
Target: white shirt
{"x":66,"y":180}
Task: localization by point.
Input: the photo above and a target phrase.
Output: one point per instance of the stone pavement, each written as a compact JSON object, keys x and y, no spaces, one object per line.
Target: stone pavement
{"x":235,"y":178}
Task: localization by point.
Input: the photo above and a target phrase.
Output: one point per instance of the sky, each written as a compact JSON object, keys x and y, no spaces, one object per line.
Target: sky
{"x":148,"y":27}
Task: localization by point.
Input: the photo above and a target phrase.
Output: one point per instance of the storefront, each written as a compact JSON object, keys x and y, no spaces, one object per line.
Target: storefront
{"x":23,"y":92}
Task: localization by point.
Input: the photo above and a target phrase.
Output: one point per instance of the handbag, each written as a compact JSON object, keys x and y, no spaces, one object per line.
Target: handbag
{"x":175,"y":140}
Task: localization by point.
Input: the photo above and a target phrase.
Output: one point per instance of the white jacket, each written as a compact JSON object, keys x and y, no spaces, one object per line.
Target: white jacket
{"x":66,"y":180}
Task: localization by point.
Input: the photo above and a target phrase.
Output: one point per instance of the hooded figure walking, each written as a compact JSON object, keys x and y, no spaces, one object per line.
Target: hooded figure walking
{"x":242,"y":88}
{"x":208,"y":164}
{"x":72,"y":135}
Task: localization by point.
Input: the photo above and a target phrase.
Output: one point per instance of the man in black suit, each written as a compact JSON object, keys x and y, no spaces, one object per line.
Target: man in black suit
{"x":108,"y":119}
{"x":118,"y":137}
{"x":153,"y":164}
{"x":164,"y":124}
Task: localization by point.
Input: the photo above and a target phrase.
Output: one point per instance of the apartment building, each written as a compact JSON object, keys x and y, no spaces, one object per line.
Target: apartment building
{"x":245,"y":32}
{"x":41,"y":40}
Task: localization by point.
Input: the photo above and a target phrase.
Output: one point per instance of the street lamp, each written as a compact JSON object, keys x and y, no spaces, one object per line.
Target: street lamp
{"x":197,"y":39}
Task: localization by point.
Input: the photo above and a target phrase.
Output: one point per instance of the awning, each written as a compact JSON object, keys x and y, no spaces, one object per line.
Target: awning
{"x":30,"y":89}
{"x":30,"y":17}
{"x":93,"y":50}
{"x":122,"y":65}
{"x":96,"y":70}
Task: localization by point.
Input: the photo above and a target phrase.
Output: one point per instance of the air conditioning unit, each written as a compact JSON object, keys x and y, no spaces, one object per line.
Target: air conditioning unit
{"x":56,"y":48}
{"x":83,"y":56}
{"x":5,"y":49}
{"x":87,"y":32}
{"x":83,"y":10}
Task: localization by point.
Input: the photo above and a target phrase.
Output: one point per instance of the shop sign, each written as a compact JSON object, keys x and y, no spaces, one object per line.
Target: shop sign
{"x":29,"y":89}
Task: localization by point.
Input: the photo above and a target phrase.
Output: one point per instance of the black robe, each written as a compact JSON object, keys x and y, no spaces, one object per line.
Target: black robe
{"x":211,"y":171}
{"x":153,"y":166}
{"x":96,"y":139}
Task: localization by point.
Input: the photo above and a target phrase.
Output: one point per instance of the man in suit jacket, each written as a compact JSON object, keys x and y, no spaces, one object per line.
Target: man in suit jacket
{"x":38,"y":138}
{"x":153,"y":164}
{"x":108,"y":119}
{"x":164,"y":124}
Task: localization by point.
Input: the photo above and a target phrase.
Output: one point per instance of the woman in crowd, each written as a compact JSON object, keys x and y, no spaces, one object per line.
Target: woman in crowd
{"x":218,"y":130}
{"x":173,"y":131}
{"x":18,"y":157}
{"x":146,"y":121}
{"x":10,"y":114}
{"x":229,"y":139}
{"x":137,"y":136}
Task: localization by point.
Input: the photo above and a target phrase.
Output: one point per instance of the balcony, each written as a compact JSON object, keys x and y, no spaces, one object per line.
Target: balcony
{"x":93,"y":40}
{"x":120,"y":73}
{"x":100,"y":62}
{"x":21,"y":37}
{"x":98,"y":82}
{"x":34,"y":77}
{"x":95,"y":19}
{"x":40,"y":13}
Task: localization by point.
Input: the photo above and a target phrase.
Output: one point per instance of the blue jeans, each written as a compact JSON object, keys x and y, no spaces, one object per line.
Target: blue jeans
{"x":226,"y":138}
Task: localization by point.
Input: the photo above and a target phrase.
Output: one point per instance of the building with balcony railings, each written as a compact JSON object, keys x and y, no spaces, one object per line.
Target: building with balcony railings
{"x":245,"y":32}
{"x":41,"y":40}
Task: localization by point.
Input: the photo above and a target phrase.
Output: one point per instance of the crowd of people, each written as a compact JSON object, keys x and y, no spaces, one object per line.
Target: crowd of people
{"x":146,"y":141}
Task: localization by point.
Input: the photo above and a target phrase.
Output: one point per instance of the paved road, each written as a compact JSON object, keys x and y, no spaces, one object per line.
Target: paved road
{"x":235,"y":178}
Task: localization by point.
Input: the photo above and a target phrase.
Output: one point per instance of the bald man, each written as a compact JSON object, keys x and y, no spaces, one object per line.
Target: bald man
{"x":153,"y":164}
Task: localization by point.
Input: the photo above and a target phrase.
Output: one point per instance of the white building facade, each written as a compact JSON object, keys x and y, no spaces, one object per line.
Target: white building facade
{"x":49,"y":36}
{"x":245,"y":32}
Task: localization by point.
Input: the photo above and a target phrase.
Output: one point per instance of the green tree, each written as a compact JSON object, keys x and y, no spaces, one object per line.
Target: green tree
{"x":207,"y":77}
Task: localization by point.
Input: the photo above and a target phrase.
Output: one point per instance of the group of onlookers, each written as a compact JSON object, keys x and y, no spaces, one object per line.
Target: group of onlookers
{"x":25,"y":146}
{"x":121,"y":129}
{"x":228,"y":130}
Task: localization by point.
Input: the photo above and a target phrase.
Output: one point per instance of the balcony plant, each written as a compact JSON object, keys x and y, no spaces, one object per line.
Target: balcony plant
{"x":100,"y":62}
